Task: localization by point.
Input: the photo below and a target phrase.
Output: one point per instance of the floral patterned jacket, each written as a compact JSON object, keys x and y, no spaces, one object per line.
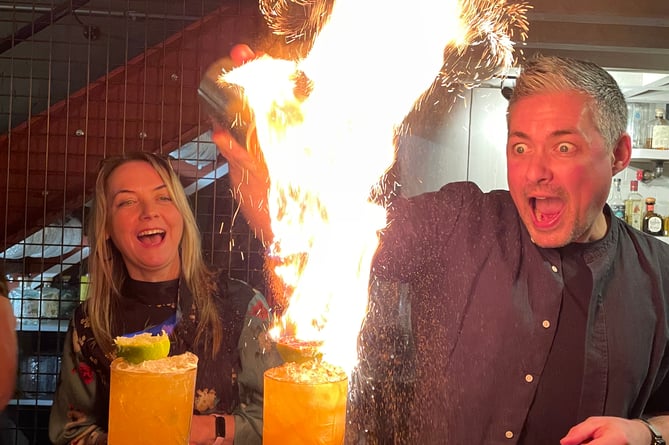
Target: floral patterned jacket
{"x":230,"y":383}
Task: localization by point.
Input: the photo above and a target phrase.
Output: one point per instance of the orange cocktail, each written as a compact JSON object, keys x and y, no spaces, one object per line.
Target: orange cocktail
{"x":305,"y":404}
{"x":152,"y":402}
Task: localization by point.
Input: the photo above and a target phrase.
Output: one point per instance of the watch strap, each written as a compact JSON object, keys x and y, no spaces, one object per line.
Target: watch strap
{"x":656,"y":437}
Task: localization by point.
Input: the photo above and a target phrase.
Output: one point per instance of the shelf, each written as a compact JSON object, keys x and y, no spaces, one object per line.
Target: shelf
{"x":42,"y":325}
{"x":646,"y":154}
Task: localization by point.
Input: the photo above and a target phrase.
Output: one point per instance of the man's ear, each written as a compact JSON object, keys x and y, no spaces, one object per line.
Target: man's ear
{"x":622,"y":154}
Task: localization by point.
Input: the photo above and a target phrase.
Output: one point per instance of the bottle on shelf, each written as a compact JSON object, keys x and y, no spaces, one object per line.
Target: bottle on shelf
{"x":657,"y":132}
{"x":652,"y":222}
{"x":638,"y":116}
{"x":616,"y":199}
{"x":634,"y":206}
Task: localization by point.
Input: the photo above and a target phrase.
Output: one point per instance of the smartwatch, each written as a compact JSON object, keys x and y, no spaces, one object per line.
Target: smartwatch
{"x":220,"y":427}
{"x":656,"y":437}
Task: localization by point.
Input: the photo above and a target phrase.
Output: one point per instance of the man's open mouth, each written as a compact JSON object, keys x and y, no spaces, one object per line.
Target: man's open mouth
{"x":546,"y":210}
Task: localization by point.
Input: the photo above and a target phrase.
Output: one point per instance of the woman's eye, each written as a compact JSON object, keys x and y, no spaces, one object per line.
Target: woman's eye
{"x":165,"y":198}
{"x":124,"y":203}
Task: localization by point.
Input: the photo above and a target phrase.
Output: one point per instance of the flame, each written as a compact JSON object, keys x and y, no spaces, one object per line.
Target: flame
{"x":326,"y":124}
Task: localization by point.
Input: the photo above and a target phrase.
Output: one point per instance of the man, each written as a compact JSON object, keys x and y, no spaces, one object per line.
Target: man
{"x":539,"y":318}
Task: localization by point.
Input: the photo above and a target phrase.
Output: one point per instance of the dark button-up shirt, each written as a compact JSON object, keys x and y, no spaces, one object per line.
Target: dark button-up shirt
{"x":485,"y":305}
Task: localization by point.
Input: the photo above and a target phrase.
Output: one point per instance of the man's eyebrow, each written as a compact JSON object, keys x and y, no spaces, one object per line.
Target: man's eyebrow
{"x":523,"y":135}
{"x":519,"y":134}
{"x":565,"y":132}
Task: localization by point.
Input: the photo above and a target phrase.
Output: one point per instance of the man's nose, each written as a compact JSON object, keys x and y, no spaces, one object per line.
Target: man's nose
{"x":539,"y":168}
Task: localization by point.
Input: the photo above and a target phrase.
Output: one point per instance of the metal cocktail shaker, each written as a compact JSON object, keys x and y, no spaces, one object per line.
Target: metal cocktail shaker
{"x":224,"y":102}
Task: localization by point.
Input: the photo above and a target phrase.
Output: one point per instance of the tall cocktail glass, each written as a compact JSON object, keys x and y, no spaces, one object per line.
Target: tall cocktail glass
{"x":305,"y":404}
{"x":152,"y":402}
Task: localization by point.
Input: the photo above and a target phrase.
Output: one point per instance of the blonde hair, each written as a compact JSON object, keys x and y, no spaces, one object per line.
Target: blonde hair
{"x":107,"y":269}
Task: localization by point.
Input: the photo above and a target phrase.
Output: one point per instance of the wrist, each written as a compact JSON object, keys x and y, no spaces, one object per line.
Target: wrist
{"x":655,"y":436}
{"x":219,"y":426}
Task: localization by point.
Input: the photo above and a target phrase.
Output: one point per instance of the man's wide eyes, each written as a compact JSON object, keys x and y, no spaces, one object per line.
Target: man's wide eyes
{"x":565,"y":148}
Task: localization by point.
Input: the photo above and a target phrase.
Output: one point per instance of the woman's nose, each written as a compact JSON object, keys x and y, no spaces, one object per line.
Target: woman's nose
{"x":149,"y":210}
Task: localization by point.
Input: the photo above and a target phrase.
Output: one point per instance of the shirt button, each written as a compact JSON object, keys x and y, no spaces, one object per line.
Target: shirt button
{"x":554,"y":269}
{"x":529,"y":378}
{"x":546,"y":324}
{"x":509,"y":434}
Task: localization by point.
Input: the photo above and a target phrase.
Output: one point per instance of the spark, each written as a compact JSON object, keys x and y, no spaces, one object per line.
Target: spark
{"x":327,"y":123}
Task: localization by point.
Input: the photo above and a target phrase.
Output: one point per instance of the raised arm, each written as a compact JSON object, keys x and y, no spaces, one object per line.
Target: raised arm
{"x":249,"y":181}
{"x":249,"y":178}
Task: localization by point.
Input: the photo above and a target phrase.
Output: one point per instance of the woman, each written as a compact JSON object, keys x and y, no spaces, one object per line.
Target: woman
{"x":147,"y":274}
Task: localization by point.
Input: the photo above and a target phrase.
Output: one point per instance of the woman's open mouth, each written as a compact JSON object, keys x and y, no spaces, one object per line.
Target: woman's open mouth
{"x":151,"y":237}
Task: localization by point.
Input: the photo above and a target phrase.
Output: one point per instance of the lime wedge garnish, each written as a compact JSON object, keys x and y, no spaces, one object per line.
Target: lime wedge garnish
{"x":143,"y":347}
{"x":294,"y":350}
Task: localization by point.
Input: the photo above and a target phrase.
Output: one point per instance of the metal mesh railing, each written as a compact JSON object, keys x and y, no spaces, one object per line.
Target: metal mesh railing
{"x":80,"y":80}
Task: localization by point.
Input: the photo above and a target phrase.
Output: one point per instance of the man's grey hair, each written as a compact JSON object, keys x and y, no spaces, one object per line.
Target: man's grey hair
{"x":546,"y":74}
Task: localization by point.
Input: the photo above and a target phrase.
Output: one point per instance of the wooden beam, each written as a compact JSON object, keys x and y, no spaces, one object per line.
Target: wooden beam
{"x":149,"y":104}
